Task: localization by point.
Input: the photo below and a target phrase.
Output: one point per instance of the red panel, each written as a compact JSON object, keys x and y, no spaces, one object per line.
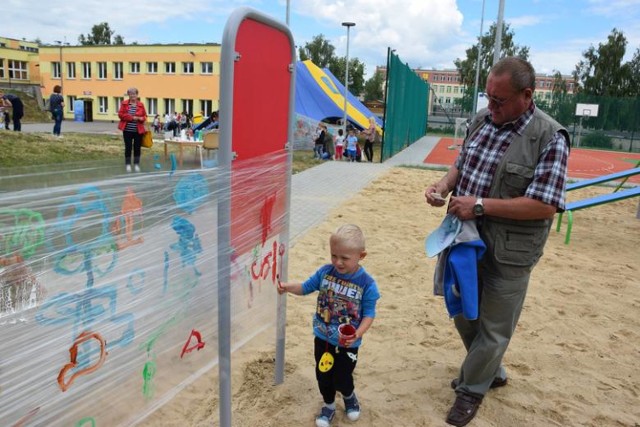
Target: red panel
{"x":260,"y":126}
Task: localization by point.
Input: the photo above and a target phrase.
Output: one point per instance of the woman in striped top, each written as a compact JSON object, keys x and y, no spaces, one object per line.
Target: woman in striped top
{"x":133,"y":117}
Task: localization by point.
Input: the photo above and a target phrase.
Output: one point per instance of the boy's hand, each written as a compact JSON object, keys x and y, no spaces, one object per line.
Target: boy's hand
{"x":281,"y":286}
{"x":350,"y":342}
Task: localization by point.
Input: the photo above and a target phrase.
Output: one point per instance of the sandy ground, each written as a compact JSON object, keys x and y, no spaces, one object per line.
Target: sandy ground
{"x":572,"y":362}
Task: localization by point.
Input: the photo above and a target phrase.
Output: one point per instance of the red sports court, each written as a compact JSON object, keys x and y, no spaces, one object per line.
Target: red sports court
{"x":583,"y":162}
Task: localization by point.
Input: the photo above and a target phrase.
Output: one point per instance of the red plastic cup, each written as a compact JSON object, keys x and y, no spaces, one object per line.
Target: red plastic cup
{"x":345,"y":332}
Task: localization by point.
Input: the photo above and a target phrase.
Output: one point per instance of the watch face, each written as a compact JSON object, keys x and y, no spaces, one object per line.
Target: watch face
{"x":478,"y":210}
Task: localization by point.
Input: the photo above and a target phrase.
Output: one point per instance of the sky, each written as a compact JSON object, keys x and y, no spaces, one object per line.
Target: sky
{"x":425,"y":33}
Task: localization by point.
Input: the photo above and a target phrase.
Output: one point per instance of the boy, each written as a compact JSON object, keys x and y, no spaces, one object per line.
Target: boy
{"x":346,"y":294}
{"x":352,"y":145}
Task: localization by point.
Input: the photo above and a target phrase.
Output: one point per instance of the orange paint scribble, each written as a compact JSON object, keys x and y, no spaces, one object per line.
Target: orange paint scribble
{"x":131,"y":210}
{"x":84,"y":336}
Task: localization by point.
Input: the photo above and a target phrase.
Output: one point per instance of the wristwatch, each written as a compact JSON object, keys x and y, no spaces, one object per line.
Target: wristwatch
{"x":478,"y":208}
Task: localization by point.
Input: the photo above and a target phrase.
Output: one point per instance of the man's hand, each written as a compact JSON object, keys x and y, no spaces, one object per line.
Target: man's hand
{"x":434,"y":197}
{"x":462,"y":207}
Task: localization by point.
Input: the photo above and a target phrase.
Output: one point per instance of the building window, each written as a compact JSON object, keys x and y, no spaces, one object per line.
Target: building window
{"x":71,"y":70}
{"x":152,"y":67}
{"x":152,"y":106}
{"x":187,"y":106}
{"x":103,"y":104}
{"x":169,"y":67}
{"x":18,"y":70}
{"x":72,"y":100}
{"x":206,"y":106}
{"x":134,"y":67}
{"x":187,"y":68}
{"x":102,"y":70}
{"x":86,"y":70}
{"x":117,"y":101}
{"x":55,"y":70}
{"x":117,"y":70}
{"x":1,"y":68}
{"x":448,"y":89}
{"x":169,"y":105}
{"x":206,"y":67}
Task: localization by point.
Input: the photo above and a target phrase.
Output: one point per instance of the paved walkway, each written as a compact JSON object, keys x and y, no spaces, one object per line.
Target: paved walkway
{"x":314,"y":192}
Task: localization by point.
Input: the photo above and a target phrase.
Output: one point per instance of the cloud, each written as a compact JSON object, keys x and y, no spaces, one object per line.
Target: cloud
{"x":73,"y":17}
{"x":422,"y":31}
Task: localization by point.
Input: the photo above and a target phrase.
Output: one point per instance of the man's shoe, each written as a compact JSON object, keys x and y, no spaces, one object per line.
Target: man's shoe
{"x":128,"y":168}
{"x":136,"y":168}
{"x":325,"y":417}
{"x":352,"y":407}
{"x":496,"y":383}
{"x":463,"y":410}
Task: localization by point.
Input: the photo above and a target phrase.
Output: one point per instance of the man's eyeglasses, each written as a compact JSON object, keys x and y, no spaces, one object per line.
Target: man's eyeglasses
{"x":500,"y":102}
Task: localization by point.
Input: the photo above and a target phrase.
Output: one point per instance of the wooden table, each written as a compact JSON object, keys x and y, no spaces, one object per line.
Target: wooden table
{"x":181,"y":143}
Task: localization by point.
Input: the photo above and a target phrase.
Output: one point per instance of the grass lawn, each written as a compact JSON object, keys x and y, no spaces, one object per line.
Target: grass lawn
{"x":19,"y":149}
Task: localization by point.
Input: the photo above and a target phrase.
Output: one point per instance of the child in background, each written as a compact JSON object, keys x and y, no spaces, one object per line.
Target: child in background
{"x":352,"y":145}
{"x":339,"y":144}
{"x":347,"y":294}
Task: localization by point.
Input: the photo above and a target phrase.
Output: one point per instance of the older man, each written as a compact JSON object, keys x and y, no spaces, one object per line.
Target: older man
{"x":510,"y":177}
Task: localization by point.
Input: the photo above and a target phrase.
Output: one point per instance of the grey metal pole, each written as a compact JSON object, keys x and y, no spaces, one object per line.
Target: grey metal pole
{"x":498,"y":45}
{"x":288,"y":9}
{"x":475,"y":86}
{"x":346,"y":75}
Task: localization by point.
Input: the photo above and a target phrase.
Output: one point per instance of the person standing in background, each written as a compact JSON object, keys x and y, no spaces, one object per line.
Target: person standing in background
{"x":339,"y":141}
{"x":370,"y":134}
{"x":56,"y":107}
{"x":15,"y":103}
{"x":133,"y":116}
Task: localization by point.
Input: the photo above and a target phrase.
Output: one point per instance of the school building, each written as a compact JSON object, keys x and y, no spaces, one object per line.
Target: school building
{"x":94,"y":79}
{"x":445,"y":88}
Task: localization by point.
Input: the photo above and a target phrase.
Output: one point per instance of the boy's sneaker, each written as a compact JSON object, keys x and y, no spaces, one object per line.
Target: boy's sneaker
{"x":128,"y":168}
{"x":325,"y":417}
{"x":352,"y":407}
{"x":136,"y":168}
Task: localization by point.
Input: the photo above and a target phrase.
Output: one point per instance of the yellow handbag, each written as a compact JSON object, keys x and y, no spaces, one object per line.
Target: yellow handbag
{"x":147,"y":139}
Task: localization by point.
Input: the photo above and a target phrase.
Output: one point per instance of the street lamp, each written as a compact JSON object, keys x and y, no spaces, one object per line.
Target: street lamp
{"x":346,"y":74}
{"x":475,"y":87}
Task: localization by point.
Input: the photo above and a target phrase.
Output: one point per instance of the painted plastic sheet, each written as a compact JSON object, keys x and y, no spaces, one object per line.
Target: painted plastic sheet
{"x":108,"y":287}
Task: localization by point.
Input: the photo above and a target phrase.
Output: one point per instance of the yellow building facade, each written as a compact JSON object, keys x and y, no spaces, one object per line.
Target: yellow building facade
{"x":169,"y":78}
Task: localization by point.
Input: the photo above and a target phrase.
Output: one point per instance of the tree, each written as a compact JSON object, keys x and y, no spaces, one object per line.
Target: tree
{"x":318,"y":50}
{"x":322,"y":53}
{"x":356,"y":73}
{"x":467,"y":67}
{"x":373,"y":87}
{"x":601,"y":72}
{"x":100,"y":35}
{"x":634,"y":74}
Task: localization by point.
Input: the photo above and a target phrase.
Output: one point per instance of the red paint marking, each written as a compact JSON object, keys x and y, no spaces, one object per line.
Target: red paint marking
{"x":583,"y":163}
{"x":197,"y":346}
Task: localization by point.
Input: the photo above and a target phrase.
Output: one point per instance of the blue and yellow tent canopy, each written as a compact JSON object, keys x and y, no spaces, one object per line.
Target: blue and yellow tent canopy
{"x":319,"y":96}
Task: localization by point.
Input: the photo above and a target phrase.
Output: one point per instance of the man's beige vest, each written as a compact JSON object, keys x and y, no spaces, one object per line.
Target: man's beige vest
{"x":515,"y":246}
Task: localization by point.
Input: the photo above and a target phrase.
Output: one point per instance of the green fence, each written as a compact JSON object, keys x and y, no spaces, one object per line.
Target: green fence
{"x":406,"y":107}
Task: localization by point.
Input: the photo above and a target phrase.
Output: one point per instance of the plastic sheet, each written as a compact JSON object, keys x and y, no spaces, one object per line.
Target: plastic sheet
{"x":108,"y":286}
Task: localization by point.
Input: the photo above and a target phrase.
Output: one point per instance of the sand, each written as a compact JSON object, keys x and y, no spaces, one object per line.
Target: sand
{"x":572,"y":362}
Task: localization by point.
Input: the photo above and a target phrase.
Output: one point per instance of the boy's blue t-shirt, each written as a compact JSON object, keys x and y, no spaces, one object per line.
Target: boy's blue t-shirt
{"x":342,"y":298}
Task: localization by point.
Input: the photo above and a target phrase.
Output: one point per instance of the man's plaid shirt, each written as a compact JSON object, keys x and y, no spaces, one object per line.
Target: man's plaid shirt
{"x":480,"y":157}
